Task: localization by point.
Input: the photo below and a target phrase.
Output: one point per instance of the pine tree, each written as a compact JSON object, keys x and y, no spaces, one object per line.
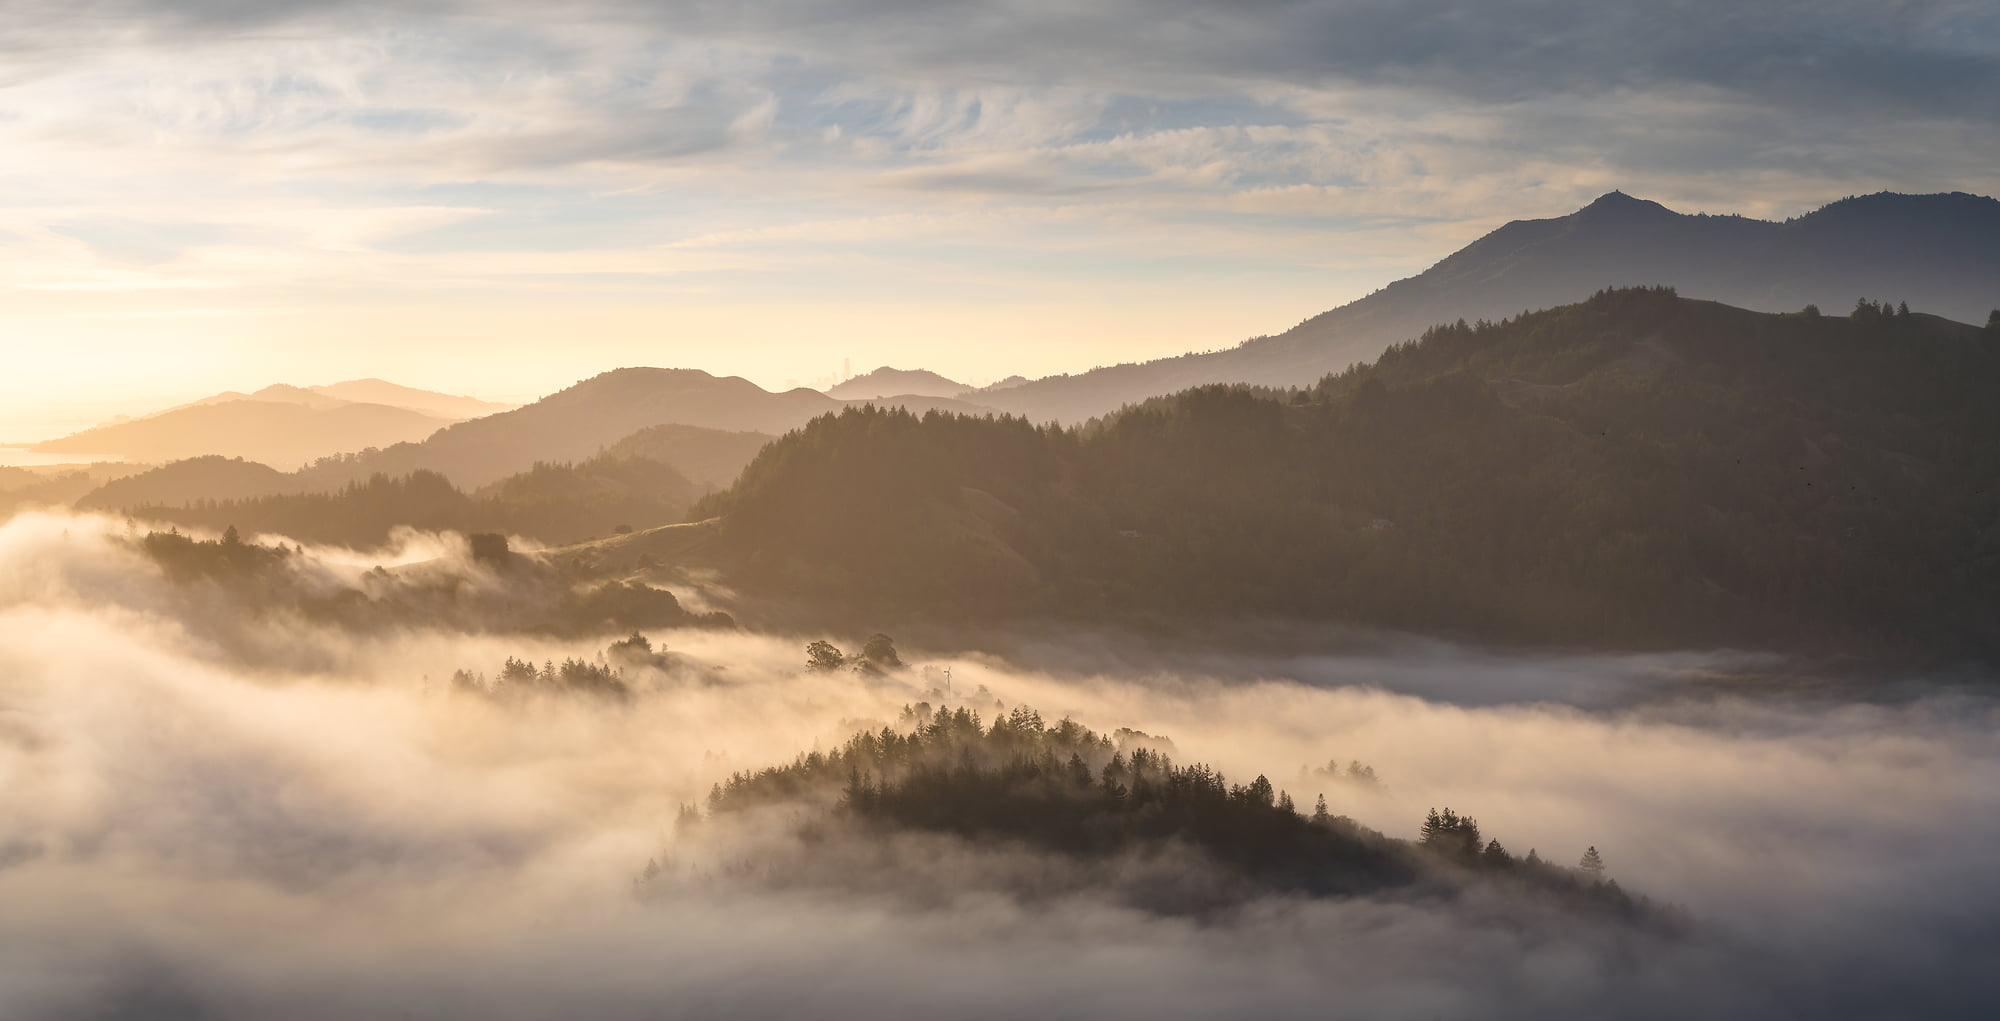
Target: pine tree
{"x":1592,"y":865}
{"x":1320,"y":814}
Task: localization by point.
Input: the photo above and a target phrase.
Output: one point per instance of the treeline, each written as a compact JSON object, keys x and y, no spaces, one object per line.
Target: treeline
{"x":1065,"y":788}
{"x":553,"y":503}
{"x":519,"y":595}
{"x":1638,"y":470}
{"x":608,"y":678}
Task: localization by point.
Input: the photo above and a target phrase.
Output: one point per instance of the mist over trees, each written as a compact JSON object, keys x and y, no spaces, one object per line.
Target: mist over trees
{"x":491,"y":590}
{"x":1063,"y":788}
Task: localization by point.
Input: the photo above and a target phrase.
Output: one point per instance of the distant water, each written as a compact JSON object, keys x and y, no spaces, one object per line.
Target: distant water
{"x":21,"y":457}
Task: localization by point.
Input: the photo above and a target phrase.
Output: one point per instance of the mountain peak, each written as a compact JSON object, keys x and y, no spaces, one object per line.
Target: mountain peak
{"x":1617,"y":203}
{"x":889,"y":381}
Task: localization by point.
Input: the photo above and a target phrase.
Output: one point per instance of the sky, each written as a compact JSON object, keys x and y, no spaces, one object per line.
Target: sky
{"x":501,"y":198}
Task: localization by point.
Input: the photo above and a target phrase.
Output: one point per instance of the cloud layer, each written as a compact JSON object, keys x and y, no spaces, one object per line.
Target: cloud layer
{"x":187,"y":835}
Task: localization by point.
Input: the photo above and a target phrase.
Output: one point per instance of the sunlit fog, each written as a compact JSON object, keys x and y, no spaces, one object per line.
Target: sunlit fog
{"x":1405,"y":509}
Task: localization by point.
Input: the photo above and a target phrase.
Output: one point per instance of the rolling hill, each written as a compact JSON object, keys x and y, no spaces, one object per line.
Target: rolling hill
{"x":711,"y":458}
{"x":1940,"y":253}
{"x":429,"y":402}
{"x":211,"y":477}
{"x":888,"y":382}
{"x":281,"y":433}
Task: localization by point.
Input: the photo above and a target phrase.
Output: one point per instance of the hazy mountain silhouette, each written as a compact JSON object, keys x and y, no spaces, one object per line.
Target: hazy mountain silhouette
{"x":279,"y":433}
{"x":577,"y":423}
{"x":888,"y":382}
{"x":56,"y":485}
{"x":279,"y":393}
{"x":280,"y":425}
{"x":363,"y":391}
{"x":1940,"y":253}
{"x":376,"y":391}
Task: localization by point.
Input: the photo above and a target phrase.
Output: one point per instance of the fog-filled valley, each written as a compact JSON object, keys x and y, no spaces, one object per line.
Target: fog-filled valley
{"x":1427,"y":511}
{"x":338,"y":821}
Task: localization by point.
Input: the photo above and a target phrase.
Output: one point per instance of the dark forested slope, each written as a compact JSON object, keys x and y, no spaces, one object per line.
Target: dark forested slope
{"x":555,"y":503}
{"x":1636,"y":470}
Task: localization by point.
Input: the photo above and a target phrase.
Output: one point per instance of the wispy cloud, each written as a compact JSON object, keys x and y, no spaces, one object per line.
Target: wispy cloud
{"x":149,"y":140}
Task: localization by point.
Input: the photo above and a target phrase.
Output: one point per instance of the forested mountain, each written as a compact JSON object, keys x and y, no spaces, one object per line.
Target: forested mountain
{"x":282,"y":433}
{"x":710,"y":458}
{"x":212,"y":477}
{"x":578,"y":422}
{"x":551,"y":503}
{"x":1940,"y":253}
{"x":1637,"y":470}
{"x":889,"y":382}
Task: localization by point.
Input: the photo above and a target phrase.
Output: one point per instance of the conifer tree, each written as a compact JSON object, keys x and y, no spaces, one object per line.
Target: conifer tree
{"x":1592,"y":865}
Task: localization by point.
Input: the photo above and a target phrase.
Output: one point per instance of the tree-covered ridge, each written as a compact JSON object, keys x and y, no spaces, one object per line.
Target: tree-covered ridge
{"x":1063,"y":788}
{"x":1638,"y":470}
{"x":553,"y":503}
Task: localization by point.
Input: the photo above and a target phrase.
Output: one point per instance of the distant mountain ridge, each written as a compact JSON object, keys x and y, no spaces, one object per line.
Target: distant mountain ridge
{"x":430,"y":402}
{"x":361,"y":391}
{"x":576,"y":423}
{"x":1940,"y":253}
{"x":705,"y":426}
{"x":280,"y":425}
{"x":891,"y":382}
{"x":282,"y":433}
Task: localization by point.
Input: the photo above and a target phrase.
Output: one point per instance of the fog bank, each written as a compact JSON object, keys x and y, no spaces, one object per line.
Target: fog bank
{"x":188,"y":833}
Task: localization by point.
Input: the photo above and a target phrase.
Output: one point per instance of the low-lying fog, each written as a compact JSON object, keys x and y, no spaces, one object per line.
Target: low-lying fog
{"x":184,"y":834}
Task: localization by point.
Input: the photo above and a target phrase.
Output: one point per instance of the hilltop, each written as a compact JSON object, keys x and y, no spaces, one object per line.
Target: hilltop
{"x":888,"y":382}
